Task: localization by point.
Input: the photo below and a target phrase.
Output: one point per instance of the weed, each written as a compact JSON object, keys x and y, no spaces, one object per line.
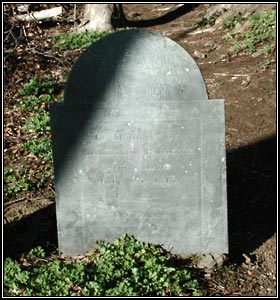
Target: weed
{"x":236,"y":47}
{"x":46,"y":279}
{"x":21,"y":178}
{"x":73,"y":41}
{"x":14,"y":277}
{"x":269,"y":90}
{"x":39,"y":123}
{"x":125,"y":267}
{"x":29,"y":103}
{"x":233,"y":21}
{"x":201,"y":22}
{"x":40,"y":147}
{"x":35,"y":87}
{"x":47,"y":174}
{"x":233,"y":267}
{"x":9,"y":175}
{"x":263,"y":27}
{"x":270,"y":62}
{"x":229,"y":36}
{"x":14,"y":182}
{"x":36,"y":145}
{"x":36,"y":94}
{"x":133,"y":268}
{"x":268,"y":49}
{"x":210,"y":21}
{"x":60,"y":98}
{"x":36,"y":252}
{"x":195,"y":258}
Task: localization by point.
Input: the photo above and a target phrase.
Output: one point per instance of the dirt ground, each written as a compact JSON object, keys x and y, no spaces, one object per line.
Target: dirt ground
{"x":248,"y":85}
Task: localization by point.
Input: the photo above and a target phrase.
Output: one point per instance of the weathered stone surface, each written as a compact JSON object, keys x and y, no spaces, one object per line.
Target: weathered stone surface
{"x":134,"y":65}
{"x":139,"y":149}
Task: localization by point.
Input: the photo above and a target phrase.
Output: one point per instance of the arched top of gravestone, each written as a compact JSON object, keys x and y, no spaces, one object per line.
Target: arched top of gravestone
{"x":134,"y":65}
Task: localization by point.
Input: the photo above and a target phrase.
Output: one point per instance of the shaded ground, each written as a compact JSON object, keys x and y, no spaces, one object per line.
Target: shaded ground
{"x":248,"y":85}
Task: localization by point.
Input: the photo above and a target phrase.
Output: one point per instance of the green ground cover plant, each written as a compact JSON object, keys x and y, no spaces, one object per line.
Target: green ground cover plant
{"x":39,"y":147}
{"x":262,"y":30}
{"x":39,"y":123}
{"x":205,"y":22}
{"x":21,"y":178}
{"x":36,"y":87}
{"x":233,"y":21}
{"x":126,"y":267}
{"x":35,"y":96}
{"x":14,"y":182}
{"x":74,"y":41}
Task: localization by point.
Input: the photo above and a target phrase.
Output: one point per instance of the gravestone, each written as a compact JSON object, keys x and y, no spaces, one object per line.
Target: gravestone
{"x":139,"y":149}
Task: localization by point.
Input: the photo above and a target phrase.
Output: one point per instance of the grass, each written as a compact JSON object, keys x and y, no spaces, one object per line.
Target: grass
{"x":126,"y":267}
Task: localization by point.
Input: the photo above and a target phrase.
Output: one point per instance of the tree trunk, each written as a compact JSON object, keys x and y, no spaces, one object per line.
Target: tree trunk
{"x":102,"y":17}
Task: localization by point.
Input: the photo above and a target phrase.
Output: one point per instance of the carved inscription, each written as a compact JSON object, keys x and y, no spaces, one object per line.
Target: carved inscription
{"x":167,"y":140}
{"x":148,"y":162}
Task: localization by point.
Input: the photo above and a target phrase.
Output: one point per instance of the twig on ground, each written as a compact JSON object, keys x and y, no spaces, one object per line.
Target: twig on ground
{"x":47,"y":56}
{"x":23,"y":199}
{"x":233,"y":75}
{"x":218,"y":287}
{"x":14,"y":201}
{"x":25,"y":35}
{"x":52,"y":189}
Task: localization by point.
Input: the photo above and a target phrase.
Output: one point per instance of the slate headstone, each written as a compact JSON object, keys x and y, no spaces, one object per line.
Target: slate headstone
{"x":139,"y":149}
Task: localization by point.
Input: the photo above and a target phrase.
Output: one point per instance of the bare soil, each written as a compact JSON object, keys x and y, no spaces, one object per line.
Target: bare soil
{"x":248,"y":85}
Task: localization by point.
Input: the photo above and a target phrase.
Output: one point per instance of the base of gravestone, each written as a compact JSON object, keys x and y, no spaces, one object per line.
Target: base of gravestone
{"x":211,"y":260}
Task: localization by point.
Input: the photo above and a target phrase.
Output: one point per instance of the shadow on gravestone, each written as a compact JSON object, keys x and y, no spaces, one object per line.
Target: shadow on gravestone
{"x":139,"y":149}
